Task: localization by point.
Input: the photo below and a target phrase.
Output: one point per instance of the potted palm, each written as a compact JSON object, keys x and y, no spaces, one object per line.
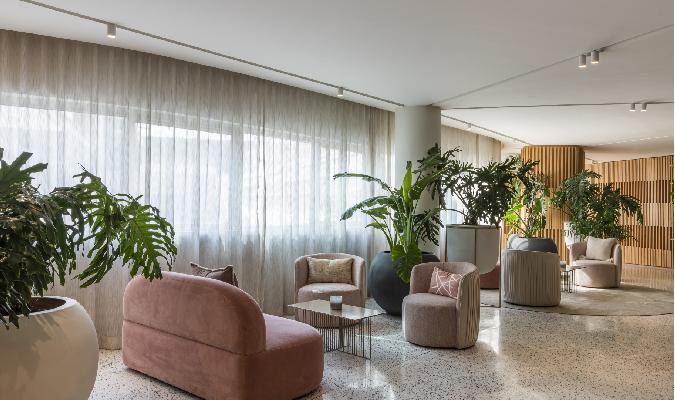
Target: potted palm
{"x":485,"y":194}
{"x":396,"y":214}
{"x":527,"y":216}
{"x":49,"y":347}
{"x":595,"y":209}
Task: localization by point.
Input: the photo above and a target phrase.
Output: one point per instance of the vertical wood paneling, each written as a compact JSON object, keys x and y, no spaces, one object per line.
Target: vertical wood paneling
{"x":557,"y":163}
{"x":650,"y":180}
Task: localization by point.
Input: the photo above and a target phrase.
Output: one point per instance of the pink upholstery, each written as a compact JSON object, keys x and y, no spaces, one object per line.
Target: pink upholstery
{"x":439,"y":321}
{"x":350,"y":294}
{"x":211,"y":339}
{"x":596,"y":273}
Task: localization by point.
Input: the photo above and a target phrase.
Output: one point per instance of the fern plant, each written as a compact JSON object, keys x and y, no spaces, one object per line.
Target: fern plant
{"x":395,"y":213}
{"x":42,"y":234}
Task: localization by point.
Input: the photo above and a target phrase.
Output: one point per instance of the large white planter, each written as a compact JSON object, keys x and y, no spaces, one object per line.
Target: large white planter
{"x":476,"y":244}
{"x":52,"y":355}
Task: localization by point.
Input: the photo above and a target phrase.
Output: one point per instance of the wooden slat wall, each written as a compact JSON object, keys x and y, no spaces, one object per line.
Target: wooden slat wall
{"x":558,"y":163}
{"x":651,"y":181}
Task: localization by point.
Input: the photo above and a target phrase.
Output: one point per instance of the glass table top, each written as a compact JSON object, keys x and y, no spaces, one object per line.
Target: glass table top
{"x":348,"y":312}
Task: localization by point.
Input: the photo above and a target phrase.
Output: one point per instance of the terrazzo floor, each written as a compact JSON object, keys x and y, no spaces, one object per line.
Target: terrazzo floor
{"x":519,"y":355}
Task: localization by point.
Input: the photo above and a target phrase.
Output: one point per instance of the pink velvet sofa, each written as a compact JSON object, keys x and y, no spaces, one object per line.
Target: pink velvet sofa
{"x":211,"y":339}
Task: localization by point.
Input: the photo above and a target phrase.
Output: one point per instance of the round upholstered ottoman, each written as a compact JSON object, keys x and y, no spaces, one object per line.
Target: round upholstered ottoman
{"x":595,"y":274}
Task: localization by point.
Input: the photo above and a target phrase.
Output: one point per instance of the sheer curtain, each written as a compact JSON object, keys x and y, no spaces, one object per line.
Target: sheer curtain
{"x":241,"y":166}
{"x":476,"y":149}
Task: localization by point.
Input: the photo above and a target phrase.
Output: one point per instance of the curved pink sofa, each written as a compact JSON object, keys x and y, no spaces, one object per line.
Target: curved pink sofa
{"x":211,"y":339}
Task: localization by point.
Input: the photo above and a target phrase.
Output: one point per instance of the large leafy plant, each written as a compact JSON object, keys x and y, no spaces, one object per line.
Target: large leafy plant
{"x":595,"y":209}
{"x":42,"y":234}
{"x":485,"y":192}
{"x":395,"y":213}
{"x":527,"y":214}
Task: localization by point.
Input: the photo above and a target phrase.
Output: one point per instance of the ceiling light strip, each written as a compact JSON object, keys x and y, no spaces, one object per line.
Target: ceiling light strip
{"x":548,"y":66}
{"x":212,"y":52}
{"x":552,"y":105}
{"x":486,"y":129}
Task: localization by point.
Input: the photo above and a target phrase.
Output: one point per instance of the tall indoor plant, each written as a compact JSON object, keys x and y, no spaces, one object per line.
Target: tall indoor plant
{"x":398,"y":215}
{"x":41,"y":235}
{"x":526,"y":218}
{"x":485,"y":194}
{"x":594,"y":209}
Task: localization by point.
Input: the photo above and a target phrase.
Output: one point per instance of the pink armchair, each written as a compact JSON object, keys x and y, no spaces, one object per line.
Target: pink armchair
{"x":210,"y":338}
{"x":354,"y":294}
{"x":596,"y":273}
{"x":438,"y":321}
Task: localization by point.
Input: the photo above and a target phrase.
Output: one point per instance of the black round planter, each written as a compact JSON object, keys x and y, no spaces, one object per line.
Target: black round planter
{"x":532,"y":244}
{"x":385,"y":286}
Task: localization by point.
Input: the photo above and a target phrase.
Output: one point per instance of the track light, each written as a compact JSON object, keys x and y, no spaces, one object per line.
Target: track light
{"x":341,"y":92}
{"x":582,"y":61}
{"x":632,"y":107}
{"x":468,"y":126}
{"x":595,"y":57}
{"x":644,"y":107}
{"x":112,"y":31}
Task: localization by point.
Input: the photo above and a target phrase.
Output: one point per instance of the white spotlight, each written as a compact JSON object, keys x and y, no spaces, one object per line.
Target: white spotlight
{"x":112,"y":31}
{"x":468,"y":126}
{"x":595,"y":57}
{"x":644,"y":107}
{"x":582,"y":61}
{"x":341,"y":92}
{"x":632,"y":107}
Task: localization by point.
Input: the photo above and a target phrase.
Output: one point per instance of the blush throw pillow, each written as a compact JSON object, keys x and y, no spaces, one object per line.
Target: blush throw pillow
{"x":225,"y":274}
{"x":445,"y":283}
{"x":329,"y":271}
{"x":599,"y":249}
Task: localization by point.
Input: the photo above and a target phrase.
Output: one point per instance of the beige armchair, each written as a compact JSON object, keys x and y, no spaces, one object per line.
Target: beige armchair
{"x":353,"y":294}
{"x":439,"y":321}
{"x":596,"y":273}
{"x":531,"y":278}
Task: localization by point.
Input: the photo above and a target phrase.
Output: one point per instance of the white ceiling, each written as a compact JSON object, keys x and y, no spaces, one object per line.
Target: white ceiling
{"x":424,"y":53}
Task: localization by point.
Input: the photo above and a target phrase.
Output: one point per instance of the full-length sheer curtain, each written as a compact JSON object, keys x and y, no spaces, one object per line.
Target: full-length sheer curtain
{"x":476,"y":149}
{"x":241,"y":166}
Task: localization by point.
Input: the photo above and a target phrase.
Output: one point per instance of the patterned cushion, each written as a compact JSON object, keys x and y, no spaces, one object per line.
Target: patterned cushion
{"x":445,"y":283}
{"x":329,"y":271}
{"x":226,"y":274}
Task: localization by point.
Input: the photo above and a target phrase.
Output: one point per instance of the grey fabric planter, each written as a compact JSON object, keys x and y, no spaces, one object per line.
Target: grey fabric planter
{"x":475,"y":244}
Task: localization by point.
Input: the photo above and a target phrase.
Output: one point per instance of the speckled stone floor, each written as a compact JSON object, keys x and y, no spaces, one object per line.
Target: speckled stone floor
{"x":519,"y":355}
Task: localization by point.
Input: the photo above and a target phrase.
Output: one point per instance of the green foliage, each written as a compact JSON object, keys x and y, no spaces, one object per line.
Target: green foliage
{"x":485,"y":192}
{"x":41,"y":235}
{"x":594,"y":209}
{"x":396,"y":214}
{"x":527,"y":215}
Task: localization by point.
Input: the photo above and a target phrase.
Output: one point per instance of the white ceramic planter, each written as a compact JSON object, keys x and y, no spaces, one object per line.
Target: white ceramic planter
{"x":476,"y":244}
{"x":52,"y":355}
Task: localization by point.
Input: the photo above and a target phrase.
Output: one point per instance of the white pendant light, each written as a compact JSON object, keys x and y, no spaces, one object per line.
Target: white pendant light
{"x":644,"y":107}
{"x":340,"y":92}
{"x":582,"y":61}
{"x":595,"y":57}
{"x":112,"y":31}
{"x":632,"y":107}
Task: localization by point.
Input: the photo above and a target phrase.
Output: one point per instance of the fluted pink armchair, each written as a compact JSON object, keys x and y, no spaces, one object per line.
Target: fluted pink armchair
{"x":438,"y":321}
{"x":596,"y":273}
{"x":210,"y":338}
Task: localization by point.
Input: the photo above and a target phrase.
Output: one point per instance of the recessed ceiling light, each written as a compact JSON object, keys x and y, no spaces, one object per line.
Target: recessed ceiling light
{"x":595,"y":57}
{"x":340,"y":92}
{"x":112,"y":31}
{"x":582,"y":61}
